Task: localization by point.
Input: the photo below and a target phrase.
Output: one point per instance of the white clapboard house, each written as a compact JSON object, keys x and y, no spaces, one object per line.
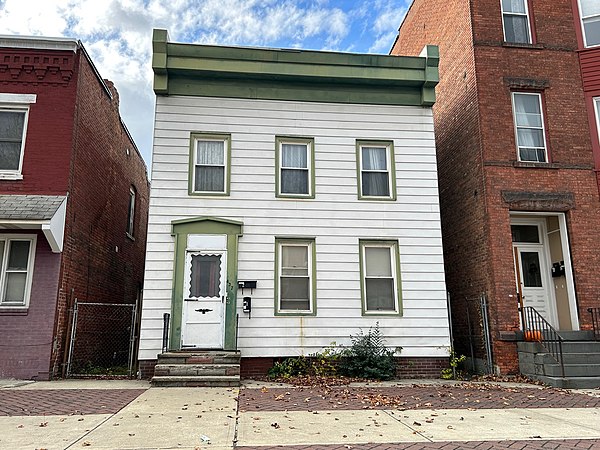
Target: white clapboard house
{"x":294,"y":203}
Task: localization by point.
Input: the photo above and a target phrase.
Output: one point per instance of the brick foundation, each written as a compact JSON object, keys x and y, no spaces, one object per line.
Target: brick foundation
{"x":406,"y":368}
{"x":146,"y":368}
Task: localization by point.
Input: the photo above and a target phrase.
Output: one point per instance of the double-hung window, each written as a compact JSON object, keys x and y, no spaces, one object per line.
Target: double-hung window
{"x":295,"y":167}
{"x":597,"y":109}
{"x":209,"y":164}
{"x":515,"y":18}
{"x":131,"y":212}
{"x":295,"y":283}
{"x":529,"y":126}
{"x":14,"y":112}
{"x":16,"y":265}
{"x":376,"y":170}
{"x":590,"y":21}
{"x":380,"y":277}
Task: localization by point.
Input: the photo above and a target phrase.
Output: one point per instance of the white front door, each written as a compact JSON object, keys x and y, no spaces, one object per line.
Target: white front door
{"x":535,"y":281}
{"x":204,"y":299}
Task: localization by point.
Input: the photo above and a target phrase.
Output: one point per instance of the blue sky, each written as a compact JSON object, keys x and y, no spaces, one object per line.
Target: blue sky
{"x":117,"y":34}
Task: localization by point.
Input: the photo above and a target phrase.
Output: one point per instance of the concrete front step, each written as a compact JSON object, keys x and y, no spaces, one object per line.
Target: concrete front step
{"x":202,"y":370}
{"x":569,"y":382}
{"x":571,"y":370}
{"x":584,"y":335}
{"x":568,"y":358}
{"x":195,"y":381}
{"x":199,"y":357}
{"x":567,"y":346}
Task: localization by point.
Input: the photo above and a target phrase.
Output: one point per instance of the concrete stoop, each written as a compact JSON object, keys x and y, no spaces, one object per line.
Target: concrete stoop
{"x":197,"y":369}
{"x":581,"y":358}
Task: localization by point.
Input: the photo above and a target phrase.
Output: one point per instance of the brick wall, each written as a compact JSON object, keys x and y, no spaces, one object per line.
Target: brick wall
{"x":406,"y":367}
{"x":477,"y":153}
{"x":26,"y":336}
{"x":75,"y":145}
{"x":48,"y":142}
{"x":102,"y":264}
{"x":146,"y":368}
{"x":460,"y":169}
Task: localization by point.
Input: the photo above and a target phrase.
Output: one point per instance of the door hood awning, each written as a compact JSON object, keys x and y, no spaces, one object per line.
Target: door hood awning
{"x":36,"y":212}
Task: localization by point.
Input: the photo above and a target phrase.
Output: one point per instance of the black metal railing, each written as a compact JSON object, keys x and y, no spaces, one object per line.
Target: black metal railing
{"x":536,"y":328}
{"x":165,"y":336}
{"x":595,"y":313}
{"x":237,"y":327}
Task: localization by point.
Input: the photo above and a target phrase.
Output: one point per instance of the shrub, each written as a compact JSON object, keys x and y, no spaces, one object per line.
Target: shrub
{"x":368,"y":357}
{"x":455,"y":360}
{"x":289,"y":367}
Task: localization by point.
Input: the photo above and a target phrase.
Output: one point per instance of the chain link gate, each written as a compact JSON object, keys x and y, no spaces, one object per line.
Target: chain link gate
{"x":102,"y":339}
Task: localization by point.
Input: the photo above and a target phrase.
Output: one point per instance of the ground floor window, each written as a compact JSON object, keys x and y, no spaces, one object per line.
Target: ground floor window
{"x":295,"y":280}
{"x":16,"y":265}
{"x":380,"y":277}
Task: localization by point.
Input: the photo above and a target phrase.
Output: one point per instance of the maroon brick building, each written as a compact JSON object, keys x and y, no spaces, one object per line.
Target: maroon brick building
{"x":73,"y":200}
{"x":517,"y":153}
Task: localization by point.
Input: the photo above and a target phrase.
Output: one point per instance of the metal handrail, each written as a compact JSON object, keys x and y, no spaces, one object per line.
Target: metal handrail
{"x":540,"y":330}
{"x":595,"y":313}
{"x":165,"y":336}
{"x":237,"y":326}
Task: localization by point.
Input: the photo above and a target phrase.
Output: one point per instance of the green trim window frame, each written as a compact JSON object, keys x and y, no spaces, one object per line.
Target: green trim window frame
{"x":17,"y":253}
{"x":210,"y":164}
{"x":530,"y":133}
{"x":515,"y":21}
{"x":295,"y":167}
{"x":380,"y":280}
{"x":589,"y":12}
{"x":376,"y":170}
{"x":295,"y":277}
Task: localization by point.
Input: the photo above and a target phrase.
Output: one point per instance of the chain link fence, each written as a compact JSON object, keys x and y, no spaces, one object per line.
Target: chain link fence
{"x":102,"y":339}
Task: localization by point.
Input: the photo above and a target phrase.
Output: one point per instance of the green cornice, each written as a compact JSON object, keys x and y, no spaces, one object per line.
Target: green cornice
{"x":243,"y":72}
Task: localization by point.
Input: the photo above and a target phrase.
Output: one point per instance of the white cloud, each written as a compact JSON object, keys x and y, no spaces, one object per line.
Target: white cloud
{"x":117,"y":34}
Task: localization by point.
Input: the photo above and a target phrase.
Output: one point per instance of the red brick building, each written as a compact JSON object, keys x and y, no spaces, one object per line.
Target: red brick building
{"x":517,"y":151}
{"x":73,"y":200}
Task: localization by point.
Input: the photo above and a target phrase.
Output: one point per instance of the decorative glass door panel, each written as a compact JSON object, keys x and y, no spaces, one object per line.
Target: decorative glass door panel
{"x":204,"y":300}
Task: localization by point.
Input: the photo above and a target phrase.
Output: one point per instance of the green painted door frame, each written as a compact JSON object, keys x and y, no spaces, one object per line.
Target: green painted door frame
{"x":180,"y":229}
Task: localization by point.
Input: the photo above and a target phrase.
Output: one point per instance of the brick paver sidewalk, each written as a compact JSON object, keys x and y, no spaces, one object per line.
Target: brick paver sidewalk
{"x":468,"y":395}
{"x":570,"y":444}
{"x":65,"y":401}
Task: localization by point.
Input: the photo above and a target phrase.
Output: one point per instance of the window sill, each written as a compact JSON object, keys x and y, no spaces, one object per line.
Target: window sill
{"x":11,"y":176}
{"x":295,"y":196}
{"x":14,"y":310}
{"x":534,"y":165}
{"x":294,"y":313}
{"x":130,"y":236}
{"x":208,"y":194}
{"x":523,"y":45}
{"x":377,"y":199}
{"x":381,"y":313}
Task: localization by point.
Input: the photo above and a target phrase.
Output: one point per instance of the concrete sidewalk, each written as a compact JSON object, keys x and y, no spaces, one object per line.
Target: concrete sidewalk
{"x":209,"y":418}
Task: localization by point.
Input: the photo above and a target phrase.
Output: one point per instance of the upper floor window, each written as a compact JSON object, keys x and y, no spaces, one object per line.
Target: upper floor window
{"x":529,"y":125}
{"x":590,"y":20}
{"x":14,"y":112}
{"x":209,"y":164}
{"x":597,"y":109}
{"x":376,"y":170}
{"x":16,"y":267}
{"x":295,"y":167}
{"x":131,"y":212}
{"x":515,"y":19}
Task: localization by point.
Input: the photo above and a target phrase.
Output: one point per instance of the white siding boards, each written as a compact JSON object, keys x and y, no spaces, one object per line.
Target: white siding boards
{"x":334,"y":222}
